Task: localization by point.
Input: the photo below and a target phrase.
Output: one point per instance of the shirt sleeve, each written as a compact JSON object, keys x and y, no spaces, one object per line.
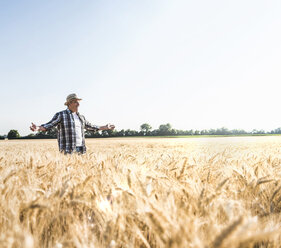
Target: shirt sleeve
{"x":90,"y":126}
{"x":52,"y":123}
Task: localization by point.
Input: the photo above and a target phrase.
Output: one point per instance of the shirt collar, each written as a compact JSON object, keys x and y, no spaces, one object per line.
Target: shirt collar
{"x":70,"y":112}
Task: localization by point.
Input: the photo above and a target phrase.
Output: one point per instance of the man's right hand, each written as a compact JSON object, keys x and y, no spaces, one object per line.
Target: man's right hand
{"x":33,"y":127}
{"x":110,"y":126}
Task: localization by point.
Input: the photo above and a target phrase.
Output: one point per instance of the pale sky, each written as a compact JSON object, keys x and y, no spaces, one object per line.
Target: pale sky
{"x":195,"y":64}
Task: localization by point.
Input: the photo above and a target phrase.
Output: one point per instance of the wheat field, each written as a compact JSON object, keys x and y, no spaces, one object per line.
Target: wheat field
{"x":136,"y":192}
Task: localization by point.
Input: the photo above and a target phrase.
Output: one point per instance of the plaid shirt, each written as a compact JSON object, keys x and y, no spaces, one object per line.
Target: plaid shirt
{"x":65,"y":124}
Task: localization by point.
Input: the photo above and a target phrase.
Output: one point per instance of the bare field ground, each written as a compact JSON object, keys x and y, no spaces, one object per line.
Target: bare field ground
{"x":212,"y":192}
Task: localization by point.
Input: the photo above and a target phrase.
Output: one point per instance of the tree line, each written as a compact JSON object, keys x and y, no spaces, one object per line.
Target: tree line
{"x":145,"y":130}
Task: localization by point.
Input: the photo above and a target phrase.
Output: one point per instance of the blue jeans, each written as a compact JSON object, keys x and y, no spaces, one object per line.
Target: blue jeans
{"x":79,"y":149}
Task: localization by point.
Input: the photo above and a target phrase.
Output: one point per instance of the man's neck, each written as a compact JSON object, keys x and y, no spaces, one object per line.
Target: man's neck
{"x":73,"y":111}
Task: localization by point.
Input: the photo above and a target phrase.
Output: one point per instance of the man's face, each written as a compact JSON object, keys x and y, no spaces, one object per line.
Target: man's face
{"x":73,"y":106}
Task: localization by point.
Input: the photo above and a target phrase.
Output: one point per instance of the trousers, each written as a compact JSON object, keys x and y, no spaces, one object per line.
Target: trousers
{"x":79,"y":149}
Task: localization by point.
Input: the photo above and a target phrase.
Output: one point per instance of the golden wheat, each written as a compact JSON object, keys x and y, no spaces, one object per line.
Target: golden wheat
{"x":216,"y":192}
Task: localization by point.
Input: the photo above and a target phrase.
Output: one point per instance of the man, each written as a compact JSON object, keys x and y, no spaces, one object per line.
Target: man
{"x":70,"y":124}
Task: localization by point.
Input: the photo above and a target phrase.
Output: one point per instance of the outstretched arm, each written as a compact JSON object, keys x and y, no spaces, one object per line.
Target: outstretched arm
{"x":107,"y":127}
{"x":44,"y":127}
{"x":92,"y":127}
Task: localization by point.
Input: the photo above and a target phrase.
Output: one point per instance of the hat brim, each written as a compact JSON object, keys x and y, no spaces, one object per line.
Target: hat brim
{"x":79,"y":99}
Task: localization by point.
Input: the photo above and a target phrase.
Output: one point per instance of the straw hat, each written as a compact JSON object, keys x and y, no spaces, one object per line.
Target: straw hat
{"x":71,"y":97}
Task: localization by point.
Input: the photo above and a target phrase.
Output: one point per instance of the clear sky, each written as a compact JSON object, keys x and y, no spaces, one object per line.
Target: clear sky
{"x":194,"y":64}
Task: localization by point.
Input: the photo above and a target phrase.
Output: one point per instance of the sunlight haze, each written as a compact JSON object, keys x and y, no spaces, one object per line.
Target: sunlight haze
{"x":194,"y":64}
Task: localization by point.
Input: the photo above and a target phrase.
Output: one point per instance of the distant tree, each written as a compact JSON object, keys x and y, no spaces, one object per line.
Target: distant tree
{"x":212,"y":131}
{"x":96,"y":135}
{"x":189,"y":132}
{"x":145,"y":128}
{"x":121,"y":133}
{"x":88,"y":134}
{"x":111,"y":133}
{"x":173,"y":132}
{"x":255,"y":131}
{"x":13,"y":134}
{"x":130,"y":132}
{"x":52,"y":132}
{"x":91,"y":134}
{"x":204,"y":132}
{"x":222,"y":131}
{"x":277,"y":130}
{"x":180,"y":132}
{"x":104,"y":133}
{"x":41,"y":134}
{"x":155,"y":132}
{"x":165,"y":129}
{"x":238,"y":131}
{"x":196,"y":132}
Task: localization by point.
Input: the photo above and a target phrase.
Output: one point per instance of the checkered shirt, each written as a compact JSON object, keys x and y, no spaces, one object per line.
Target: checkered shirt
{"x":65,"y":124}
